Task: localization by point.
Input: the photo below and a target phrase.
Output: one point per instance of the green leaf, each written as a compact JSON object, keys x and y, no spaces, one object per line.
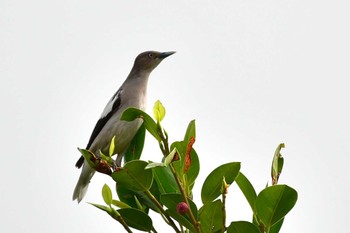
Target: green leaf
{"x":102,"y":207}
{"x":165,"y":180}
{"x":138,"y":203}
{"x":190,"y":132}
{"x":153,"y":165}
{"x":120,"y":204}
{"x":136,"y":219}
{"x":89,"y":157}
{"x":131,"y":114}
{"x":184,"y":221}
{"x":277,"y":164}
{"x":274,"y":202}
{"x":111,"y":147}
{"x":179,"y":165}
{"x":242,"y":227}
{"x":135,"y":148}
{"x":210,"y":216}
{"x":107,"y":194}
{"x":127,"y":196}
{"x":277,"y":226}
{"x":106,"y":158}
{"x":171,"y":201}
{"x":170,"y":157}
{"x":96,"y":163}
{"x":182,"y":147}
{"x":134,"y":176}
{"x":212,"y":184}
{"x":158,"y":111}
{"x":193,"y":170}
{"x":247,"y":189}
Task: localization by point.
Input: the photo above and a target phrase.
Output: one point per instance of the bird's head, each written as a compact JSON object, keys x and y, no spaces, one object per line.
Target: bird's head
{"x":147,"y":61}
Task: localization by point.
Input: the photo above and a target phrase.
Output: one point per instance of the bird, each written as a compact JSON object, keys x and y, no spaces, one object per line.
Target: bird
{"x":132,"y":93}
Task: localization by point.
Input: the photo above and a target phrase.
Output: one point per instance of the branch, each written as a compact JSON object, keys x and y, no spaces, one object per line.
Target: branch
{"x":160,"y":207}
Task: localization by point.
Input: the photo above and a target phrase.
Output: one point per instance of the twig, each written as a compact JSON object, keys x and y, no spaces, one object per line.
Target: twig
{"x":121,"y":221}
{"x":223,"y":229}
{"x":184,"y":196}
{"x":160,"y":207}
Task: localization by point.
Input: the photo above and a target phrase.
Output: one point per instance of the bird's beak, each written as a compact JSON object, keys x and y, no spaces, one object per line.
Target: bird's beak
{"x":165,"y":54}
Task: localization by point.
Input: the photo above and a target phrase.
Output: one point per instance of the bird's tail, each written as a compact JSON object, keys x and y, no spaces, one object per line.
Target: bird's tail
{"x":83,"y":183}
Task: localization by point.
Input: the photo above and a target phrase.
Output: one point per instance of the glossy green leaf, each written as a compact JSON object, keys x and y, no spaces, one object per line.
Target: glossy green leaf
{"x":107,"y":194}
{"x":111,"y":146}
{"x":127,"y":196}
{"x":120,"y":204}
{"x":190,"y":132}
{"x":131,"y":114}
{"x":102,"y":207}
{"x":89,"y":157}
{"x":107,"y":158}
{"x":277,"y":164}
{"x":138,"y":203}
{"x":179,"y":165}
{"x":242,"y":227}
{"x":169,"y":158}
{"x":154,"y":190}
{"x":181,"y":219}
{"x":210,"y":216}
{"x":182,"y":147}
{"x":212,"y":184}
{"x":135,"y":148}
{"x":247,"y":189}
{"x":193,"y":170}
{"x":277,"y":226}
{"x":165,"y":180}
{"x":136,"y":219}
{"x":134,"y":176}
{"x":153,"y":165}
{"x":274,"y":202}
{"x":158,"y":111}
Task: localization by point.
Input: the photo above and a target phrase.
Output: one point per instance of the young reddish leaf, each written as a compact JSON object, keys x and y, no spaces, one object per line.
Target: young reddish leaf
{"x":188,"y":154}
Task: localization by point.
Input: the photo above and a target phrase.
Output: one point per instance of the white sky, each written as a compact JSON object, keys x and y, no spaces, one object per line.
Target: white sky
{"x":252,"y":73}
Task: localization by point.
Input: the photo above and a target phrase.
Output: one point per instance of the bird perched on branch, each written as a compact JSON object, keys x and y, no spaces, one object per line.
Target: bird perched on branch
{"x":132,"y":93}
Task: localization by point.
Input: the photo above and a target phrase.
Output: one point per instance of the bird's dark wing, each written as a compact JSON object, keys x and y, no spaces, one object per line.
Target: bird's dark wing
{"x":112,"y":107}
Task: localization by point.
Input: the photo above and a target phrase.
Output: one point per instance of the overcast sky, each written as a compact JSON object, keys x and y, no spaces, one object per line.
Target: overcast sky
{"x":252,"y":73}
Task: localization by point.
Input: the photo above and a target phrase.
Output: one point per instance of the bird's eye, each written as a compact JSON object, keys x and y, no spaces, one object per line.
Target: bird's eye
{"x":150,"y":55}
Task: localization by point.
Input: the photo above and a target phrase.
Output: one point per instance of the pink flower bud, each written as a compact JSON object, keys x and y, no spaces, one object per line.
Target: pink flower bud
{"x":182,"y":208}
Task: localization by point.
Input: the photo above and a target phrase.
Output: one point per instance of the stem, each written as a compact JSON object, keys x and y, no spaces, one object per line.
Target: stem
{"x":160,"y":207}
{"x":121,"y":221}
{"x":184,"y":196}
{"x":262,"y":229}
{"x":182,"y":228}
{"x":154,"y":230}
{"x":223,"y":229}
